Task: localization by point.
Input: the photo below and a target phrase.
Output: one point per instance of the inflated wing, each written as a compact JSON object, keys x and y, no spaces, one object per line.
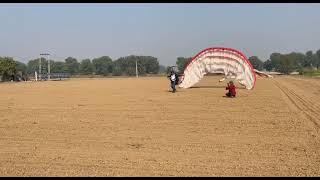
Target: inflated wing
{"x":227,"y":61}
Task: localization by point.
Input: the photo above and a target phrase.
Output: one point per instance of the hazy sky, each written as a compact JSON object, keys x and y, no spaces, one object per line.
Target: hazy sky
{"x":165,"y":31}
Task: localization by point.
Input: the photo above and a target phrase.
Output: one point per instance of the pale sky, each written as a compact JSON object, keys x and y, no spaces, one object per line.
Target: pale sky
{"x":165,"y":31}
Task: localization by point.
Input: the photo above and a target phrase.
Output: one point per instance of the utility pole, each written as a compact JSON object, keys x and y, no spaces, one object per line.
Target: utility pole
{"x":48,"y":58}
{"x":36,"y":75}
{"x":40,"y":67}
{"x":49,"y":67}
{"x":136,"y":68}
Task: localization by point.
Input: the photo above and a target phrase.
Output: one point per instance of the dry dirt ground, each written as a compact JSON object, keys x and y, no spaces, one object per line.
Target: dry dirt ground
{"x":135,"y":127}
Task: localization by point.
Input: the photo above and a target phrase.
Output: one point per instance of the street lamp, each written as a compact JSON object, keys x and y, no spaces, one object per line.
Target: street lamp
{"x":48,"y":55}
{"x":136,"y":68}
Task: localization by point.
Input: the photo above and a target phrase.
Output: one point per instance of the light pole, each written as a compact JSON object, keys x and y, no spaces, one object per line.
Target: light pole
{"x":49,"y":67}
{"x":48,"y":56}
{"x":136,"y":68}
{"x":40,"y":67}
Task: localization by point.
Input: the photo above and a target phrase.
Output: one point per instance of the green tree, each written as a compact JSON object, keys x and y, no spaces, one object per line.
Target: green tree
{"x":128,"y":65}
{"x":117,"y":71}
{"x":297,"y":59}
{"x":33,"y":65}
{"x":318,"y":58}
{"x":256,"y":62}
{"x":21,"y":67}
{"x":275,"y":61}
{"x":151,"y":64}
{"x":58,"y":67}
{"x":308,"y":59}
{"x":145,"y":65}
{"x":182,"y":62}
{"x":21,"y":70}
{"x":315,"y":61}
{"x":267,"y":65}
{"x":72,"y":65}
{"x":286,"y":64}
{"x":44,"y":66}
{"x":102,"y":65}
{"x":86,"y":67}
{"x":7,"y":68}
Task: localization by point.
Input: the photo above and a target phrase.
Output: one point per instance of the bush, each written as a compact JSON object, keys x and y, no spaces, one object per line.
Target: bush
{"x":309,"y":72}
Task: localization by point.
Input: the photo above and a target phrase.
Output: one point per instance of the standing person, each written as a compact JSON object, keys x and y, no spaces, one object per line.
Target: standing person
{"x":232,"y":89}
{"x":173,"y":79}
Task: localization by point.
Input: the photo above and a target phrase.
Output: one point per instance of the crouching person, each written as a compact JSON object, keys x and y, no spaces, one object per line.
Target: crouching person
{"x":232,"y":89}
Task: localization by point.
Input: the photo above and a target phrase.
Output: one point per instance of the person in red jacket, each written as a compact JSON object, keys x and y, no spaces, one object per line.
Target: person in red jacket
{"x":232,"y":89}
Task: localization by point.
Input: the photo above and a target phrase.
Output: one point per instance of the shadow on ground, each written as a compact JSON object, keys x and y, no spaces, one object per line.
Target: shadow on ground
{"x":217,"y":87}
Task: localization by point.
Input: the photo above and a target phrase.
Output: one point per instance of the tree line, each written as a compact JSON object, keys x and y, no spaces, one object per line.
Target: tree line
{"x":283,"y":63}
{"x":12,"y":70}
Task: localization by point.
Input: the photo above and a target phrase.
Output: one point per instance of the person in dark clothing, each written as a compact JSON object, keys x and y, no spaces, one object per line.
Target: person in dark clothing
{"x":173,"y":77}
{"x":232,"y":89}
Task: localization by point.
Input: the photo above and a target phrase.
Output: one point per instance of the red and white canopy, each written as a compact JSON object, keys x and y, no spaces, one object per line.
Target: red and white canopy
{"x":228,"y":61}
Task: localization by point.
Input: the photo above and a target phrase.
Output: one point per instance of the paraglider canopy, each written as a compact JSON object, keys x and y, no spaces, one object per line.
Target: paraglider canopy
{"x":230,"y":62}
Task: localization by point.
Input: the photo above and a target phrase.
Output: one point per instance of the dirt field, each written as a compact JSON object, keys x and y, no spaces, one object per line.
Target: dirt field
{"x":135,"y":127}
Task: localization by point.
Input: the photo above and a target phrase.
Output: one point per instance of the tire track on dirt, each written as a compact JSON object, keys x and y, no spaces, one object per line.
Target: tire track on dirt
{"x":297,"y":83}
{"x":306,"y":103}
{"x":302,"y":104}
